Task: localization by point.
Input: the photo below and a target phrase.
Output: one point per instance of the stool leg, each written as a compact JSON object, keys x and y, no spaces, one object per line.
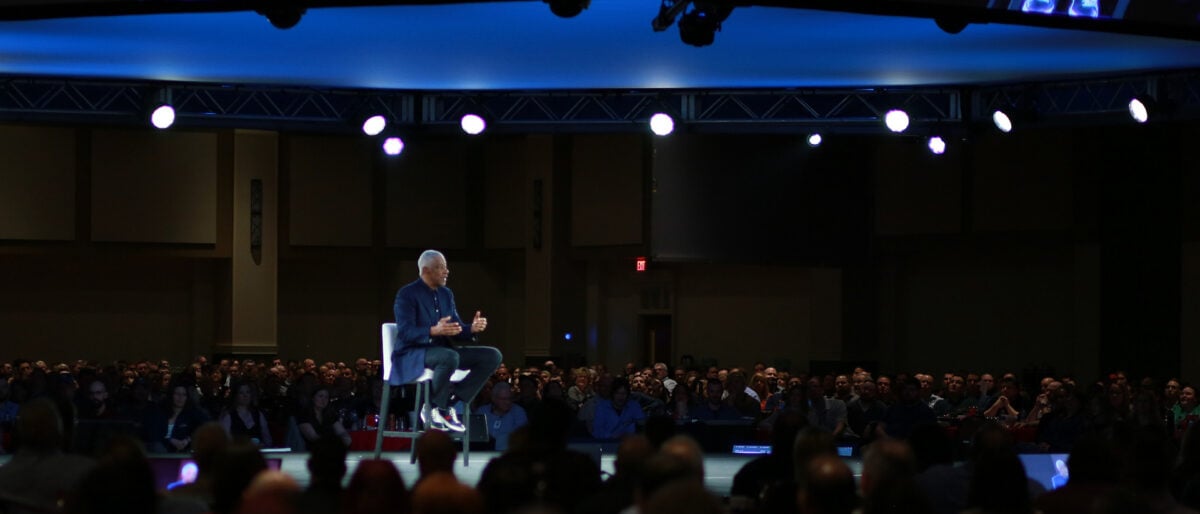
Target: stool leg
{"x":383,"y":413}
{"x":420,"y":407}
{"x":467,"y":434}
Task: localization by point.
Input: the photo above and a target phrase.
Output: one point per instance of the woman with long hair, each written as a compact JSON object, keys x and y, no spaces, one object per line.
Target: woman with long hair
{"x":170,"y":426}
{"x":318,"y":419}
{"x":242,"y":419}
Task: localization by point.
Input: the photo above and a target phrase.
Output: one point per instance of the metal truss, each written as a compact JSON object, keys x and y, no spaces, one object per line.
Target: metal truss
{"x":79,"y":101}
{"x":745,"y":108}
{"x":1094,"y":99}
{"x":341,"y":110}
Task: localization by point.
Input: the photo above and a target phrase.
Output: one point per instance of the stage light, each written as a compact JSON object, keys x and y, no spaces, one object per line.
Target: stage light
{"x":393,"y":146}
{"x":896,"y":120}
{"x":814,"y":140}
{"x":699,"y":26}
{"x":567,"y":8}
{"x":1002,"y":121}
{"x":1138,"y":110}
{"x":937,"y":145}
{"x":473,"y":124}
{"x":951,"y":24}
{"x":163,"y":116}
{"x":662,"y":124}
{"x":374,"y":125}
{"x":1084,"y":8}
{"x":283,"y":14}
{"x":1144,"y":107}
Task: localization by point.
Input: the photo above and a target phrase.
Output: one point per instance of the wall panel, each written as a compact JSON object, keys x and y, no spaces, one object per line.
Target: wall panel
{"x":154,"y":187}
{"x":37,"y":183}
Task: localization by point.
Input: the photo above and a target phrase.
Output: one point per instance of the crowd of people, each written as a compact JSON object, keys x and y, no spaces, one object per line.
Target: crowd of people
{"x":930,"y":443}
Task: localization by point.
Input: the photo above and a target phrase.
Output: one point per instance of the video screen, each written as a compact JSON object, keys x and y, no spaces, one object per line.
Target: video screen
{"x":1049,"y":469}
{"x":170,"y":473}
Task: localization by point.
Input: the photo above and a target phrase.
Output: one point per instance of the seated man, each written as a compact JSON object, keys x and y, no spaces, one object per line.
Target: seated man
{"x":427,"y":324}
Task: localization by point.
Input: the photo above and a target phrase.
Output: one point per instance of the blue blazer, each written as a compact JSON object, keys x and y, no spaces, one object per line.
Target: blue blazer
{"x":416,"y":313}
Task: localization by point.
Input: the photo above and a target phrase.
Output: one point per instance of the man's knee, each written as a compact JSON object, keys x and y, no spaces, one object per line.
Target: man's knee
{"x":494,"y":357}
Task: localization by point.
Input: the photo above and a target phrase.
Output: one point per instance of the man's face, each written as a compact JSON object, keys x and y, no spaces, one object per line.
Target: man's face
{"x":867,"y":390}
{"x":1187,"y":397}
{"x":842,"y":385}
{"x":436,"y":273}
{"x":502,"y":398}
{"x":884,"y":385}
{"x":98,"y":392}
{"x":926,"y":383}
{"x":956,"y":384}
{"x":815,"y":389}
{"x":1172,"y":389}
{"x":715,"y":391}
{"x":660,"y":371}
{"x":986,"y":382}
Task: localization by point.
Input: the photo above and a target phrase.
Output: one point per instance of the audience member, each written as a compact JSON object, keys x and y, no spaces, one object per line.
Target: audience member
{"x":120,"y":483}
{"x":441,"y":493}
{"x":235,"y":470}
{"x":714,"y":406}
{"x":376,"y":487}
{"x":617,"y":493}
{"x":270,"y":492}
{"x":242,"y":419}
{"x":40,"y":474}
{"x":617,"y":417}
{"x":887,"y":480}
{"x":828,"y":487}
{"x":435,"y":454}
{"x":319,"y":420}
{"x":503,"y":416}
{"x":326,"y":467}
{"x":755,"y":484}
{"x":169,"y":428}
{"x":540,"y":468}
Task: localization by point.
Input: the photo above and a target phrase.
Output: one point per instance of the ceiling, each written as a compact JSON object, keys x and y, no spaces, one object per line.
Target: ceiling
{"x":523,"y":46}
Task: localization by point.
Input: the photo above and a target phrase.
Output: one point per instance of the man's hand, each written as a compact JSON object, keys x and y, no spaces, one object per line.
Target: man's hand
{"x":479,"y":324}
{"x":445,"y":327}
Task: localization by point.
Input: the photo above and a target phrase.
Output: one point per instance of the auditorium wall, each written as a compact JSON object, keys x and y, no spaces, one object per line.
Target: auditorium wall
{"x":990,"y":258}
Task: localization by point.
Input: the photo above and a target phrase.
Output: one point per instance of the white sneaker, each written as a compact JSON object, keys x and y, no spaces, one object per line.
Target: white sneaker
{"x":441,"y":423}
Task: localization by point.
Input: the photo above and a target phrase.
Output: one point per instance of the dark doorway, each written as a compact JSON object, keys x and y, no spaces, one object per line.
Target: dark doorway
{"x":655,"y":333}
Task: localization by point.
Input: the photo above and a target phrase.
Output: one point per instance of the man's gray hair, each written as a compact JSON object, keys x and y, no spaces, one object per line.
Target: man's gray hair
{"x":426,"y":259}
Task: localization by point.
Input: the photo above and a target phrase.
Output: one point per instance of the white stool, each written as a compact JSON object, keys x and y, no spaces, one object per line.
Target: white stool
{"x":388,"y":345}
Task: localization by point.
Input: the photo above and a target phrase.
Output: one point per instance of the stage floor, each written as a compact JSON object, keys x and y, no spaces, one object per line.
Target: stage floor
{"x":718,"y":468}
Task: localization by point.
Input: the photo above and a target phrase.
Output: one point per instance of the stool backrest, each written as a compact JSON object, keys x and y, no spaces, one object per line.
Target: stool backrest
{"x":388,"y":344}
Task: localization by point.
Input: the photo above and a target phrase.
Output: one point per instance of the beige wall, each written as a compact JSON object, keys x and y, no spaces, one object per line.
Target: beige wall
{"x":158,"y":187}
{"x":736,"y":314}
{"x":37,"y":183}
{"x":329,"y":190}
{"x":1000,"y":274}
{"x":427,"y":195}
